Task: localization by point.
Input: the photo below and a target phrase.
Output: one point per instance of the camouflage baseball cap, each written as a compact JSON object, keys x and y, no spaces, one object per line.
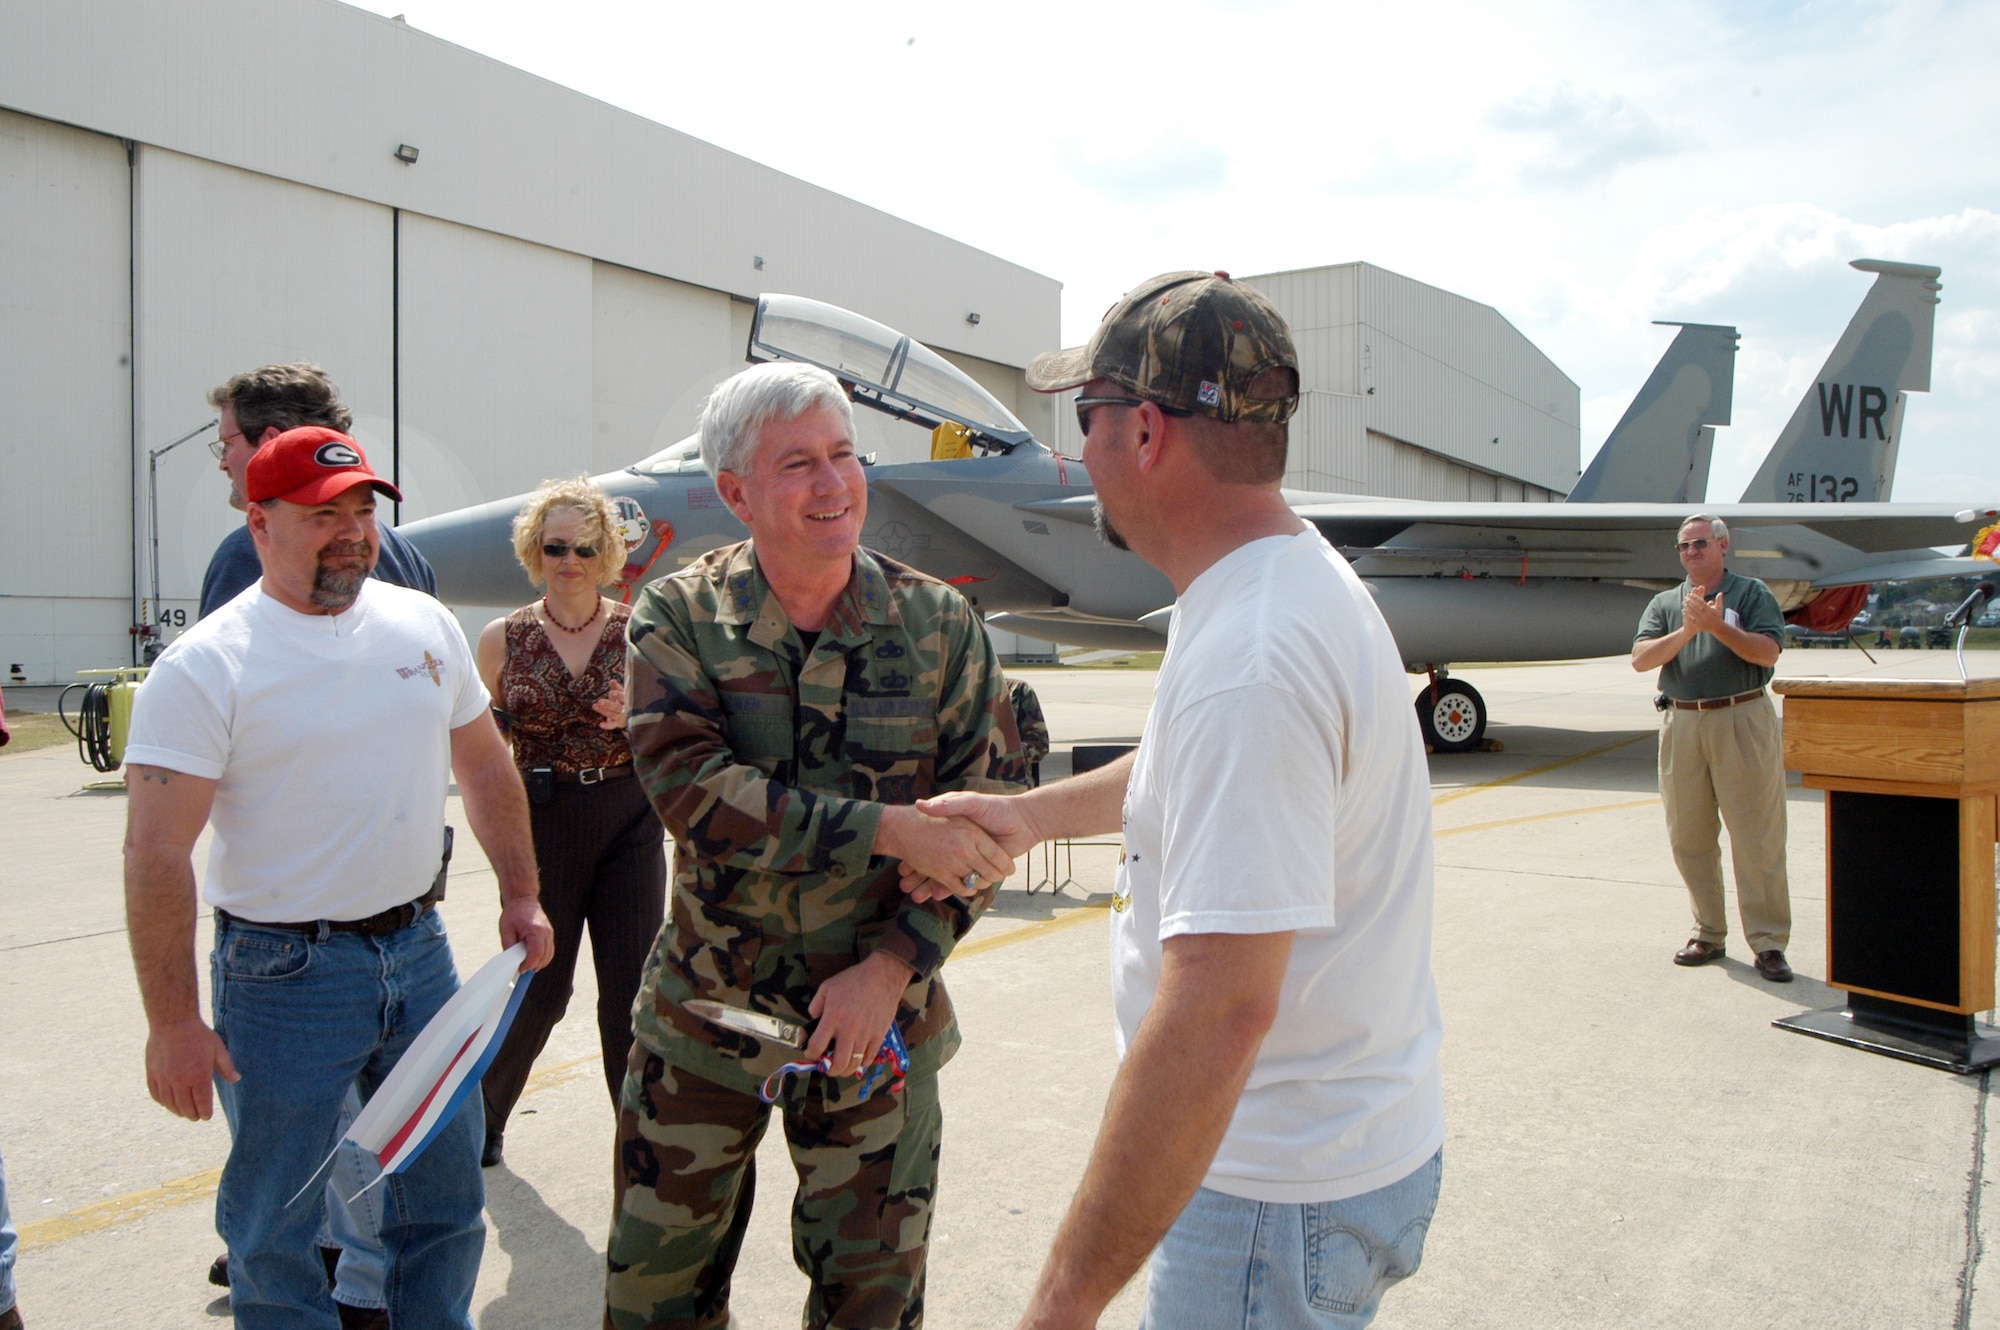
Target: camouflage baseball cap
{"x":1190,"y":341}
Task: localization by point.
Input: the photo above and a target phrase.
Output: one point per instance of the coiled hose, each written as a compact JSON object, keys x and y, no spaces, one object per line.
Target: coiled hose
{"x":92,"y":726}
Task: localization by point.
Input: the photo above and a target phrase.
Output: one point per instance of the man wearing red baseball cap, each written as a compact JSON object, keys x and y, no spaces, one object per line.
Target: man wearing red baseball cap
{"x":320,"y":473}
{"x":255,"y":407}
{"x":315,"y":722}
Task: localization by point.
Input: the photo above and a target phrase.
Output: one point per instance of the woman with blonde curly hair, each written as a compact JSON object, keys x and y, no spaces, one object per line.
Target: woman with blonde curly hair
{"x":556,"y":669}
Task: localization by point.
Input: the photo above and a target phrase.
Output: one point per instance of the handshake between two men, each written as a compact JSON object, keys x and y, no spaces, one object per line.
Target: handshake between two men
{"x":995,"y":828}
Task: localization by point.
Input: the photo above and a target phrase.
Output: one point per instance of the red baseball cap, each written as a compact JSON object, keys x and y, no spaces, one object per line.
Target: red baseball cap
{"x":310,"y":464}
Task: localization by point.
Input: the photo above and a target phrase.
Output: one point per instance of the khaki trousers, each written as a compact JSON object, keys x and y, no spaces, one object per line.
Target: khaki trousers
{"x":1729,"y":762}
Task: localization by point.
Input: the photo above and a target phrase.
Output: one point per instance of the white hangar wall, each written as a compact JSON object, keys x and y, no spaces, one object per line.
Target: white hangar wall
{"x":1412,"y":392}
{"x":176,"y":205}
{"x":1454,"y":403}
{"x":65,"y":391}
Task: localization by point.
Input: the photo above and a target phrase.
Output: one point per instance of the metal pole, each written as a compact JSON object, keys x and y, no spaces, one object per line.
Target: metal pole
{"x":153,"y":457}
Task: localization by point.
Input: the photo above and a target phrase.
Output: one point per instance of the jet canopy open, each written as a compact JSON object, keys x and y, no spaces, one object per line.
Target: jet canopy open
{"x":888,"y":371}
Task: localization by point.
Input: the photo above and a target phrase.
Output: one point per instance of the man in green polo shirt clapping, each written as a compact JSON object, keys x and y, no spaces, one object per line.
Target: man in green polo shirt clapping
{"x":1715,"y":640}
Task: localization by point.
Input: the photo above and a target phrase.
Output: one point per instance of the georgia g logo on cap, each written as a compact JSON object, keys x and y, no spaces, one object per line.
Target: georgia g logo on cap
{"x":310,"y":464}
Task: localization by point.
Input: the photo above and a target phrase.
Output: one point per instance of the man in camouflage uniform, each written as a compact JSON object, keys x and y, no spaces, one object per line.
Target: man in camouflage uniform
{"x":791,"y":697}
{"x":1032,"y":724}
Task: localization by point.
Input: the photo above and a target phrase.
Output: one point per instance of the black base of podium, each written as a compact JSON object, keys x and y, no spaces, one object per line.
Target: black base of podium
{"x":1940,"y":1039}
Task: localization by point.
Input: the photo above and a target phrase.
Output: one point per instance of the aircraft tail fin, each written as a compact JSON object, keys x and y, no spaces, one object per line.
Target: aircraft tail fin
{"x":1840,"y":444}
{"x":1660,"y":449}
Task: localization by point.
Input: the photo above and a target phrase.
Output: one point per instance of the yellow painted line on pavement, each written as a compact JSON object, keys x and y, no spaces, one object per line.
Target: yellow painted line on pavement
{"x":1082,"y":914}
{"x":101,"y":1215}
{"x":124,"y":1209}
{"x":547,"y":1078}
{"x":1536,"y":771}
{"x":1544,"y":817}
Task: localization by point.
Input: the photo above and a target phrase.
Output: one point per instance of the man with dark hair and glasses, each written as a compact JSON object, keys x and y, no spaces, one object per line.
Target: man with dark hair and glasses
{"x":1715,"y":640}
{"x":256,"y":406}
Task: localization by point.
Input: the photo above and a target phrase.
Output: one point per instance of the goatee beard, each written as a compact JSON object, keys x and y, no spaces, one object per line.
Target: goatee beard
{"x":1105,"y":531}
{"x":334,"y":589}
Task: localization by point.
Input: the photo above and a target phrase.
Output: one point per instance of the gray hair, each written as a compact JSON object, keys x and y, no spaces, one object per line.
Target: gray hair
{"x":744,"y":403}
{"x":1717,"y":528}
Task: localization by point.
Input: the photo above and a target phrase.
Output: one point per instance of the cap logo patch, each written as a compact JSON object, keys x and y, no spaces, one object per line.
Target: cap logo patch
{"x":1209,"y":395}
{"x":336,"y":454}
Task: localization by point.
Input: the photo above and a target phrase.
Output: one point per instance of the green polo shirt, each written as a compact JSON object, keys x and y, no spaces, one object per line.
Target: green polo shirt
{"x":1706,"y":668}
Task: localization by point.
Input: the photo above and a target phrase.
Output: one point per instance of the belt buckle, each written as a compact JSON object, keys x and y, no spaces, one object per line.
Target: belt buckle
{"x":591,"y":776}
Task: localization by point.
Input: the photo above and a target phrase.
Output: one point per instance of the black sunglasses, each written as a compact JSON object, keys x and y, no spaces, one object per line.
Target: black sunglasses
{"x":555,"y":549}
{"x":1085,"y":404}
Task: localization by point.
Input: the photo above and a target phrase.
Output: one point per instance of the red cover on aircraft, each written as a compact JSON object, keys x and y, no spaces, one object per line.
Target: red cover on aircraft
{"x":1831,"y":610}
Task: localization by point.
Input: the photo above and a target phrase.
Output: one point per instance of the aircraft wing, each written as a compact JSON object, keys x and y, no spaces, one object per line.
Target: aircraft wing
{"x":1865,"y":526}
{"x":1904,"y":570}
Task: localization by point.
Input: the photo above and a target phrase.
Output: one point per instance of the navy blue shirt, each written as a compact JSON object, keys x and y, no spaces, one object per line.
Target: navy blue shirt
{"x":234,"y":566}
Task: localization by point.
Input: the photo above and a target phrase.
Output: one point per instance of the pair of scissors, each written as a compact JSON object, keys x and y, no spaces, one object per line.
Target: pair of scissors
{"x":891,"y":1063}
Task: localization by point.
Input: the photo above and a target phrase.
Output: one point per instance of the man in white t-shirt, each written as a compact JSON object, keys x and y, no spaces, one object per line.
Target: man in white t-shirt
{"x":315,"y":723}
{"x":1274,"y":1134}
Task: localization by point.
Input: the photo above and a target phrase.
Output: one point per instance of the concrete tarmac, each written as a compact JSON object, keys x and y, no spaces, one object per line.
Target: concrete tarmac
{"x":1630,"y":1143}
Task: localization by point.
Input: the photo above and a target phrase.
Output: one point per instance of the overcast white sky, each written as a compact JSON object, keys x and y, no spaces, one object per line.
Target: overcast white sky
{"x":1585,"y":167}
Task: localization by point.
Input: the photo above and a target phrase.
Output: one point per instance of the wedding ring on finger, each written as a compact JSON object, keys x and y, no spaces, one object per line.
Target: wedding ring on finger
{"x":971,"y":881}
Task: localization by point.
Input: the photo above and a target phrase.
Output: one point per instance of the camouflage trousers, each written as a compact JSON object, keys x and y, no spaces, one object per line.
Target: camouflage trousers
{"x":685,"y":1175}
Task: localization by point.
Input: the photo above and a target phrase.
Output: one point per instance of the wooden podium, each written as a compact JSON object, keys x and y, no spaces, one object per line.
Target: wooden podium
{"x":1911,"y":770}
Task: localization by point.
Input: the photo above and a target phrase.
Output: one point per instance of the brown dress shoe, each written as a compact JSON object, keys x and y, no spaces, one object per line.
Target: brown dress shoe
{"x":1697,"y":952}
{"x":1771,"y":964}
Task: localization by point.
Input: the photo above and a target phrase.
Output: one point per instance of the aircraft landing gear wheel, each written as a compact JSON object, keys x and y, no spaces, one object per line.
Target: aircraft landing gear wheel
{"x":1453,"y":718}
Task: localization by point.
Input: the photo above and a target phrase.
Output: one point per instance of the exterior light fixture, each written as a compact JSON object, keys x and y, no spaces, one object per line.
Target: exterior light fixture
{"x":973,"y":318}
{"x":406,"y":153}
{"x":757,"y":262}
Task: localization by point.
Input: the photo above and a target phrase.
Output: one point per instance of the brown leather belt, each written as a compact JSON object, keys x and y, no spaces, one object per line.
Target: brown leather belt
{"x":392,"y":920}
{"x":1716,"y":703}
{"x":593,"y":775}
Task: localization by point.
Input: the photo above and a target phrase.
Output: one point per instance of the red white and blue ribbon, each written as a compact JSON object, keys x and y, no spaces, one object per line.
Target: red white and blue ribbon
{"x":890,"y":1067}
{"x":441,"y":1067}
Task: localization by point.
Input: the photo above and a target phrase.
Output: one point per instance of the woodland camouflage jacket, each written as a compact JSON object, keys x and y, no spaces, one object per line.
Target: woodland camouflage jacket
{"x":770,"y":768}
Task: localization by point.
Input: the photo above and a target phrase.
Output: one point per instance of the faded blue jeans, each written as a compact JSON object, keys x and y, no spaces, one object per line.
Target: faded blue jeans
{"x":8,"y":1243}
{"x":304,"y":1017}
{"x":355,"y":1226}
{"x":1232,"y":1264}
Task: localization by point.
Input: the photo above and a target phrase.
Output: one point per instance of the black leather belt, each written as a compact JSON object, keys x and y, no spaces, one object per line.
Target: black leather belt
{"x":392,"y":920}
{"x":1716,"y":703}
{"x":593,"y":775}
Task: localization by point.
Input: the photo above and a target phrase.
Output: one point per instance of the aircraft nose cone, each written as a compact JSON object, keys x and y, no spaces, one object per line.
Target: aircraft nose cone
{"x":472,"y":553}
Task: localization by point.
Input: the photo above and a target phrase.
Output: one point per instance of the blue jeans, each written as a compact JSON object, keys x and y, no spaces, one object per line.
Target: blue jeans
{"x":7,"y":1244}
{"x":355,"y":1226}
{"x":1229,"y":1263}
{"x":306,"y":1016}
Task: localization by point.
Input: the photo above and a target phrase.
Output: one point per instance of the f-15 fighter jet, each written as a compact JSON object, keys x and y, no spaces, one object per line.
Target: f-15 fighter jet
{"x":1011,"y":526}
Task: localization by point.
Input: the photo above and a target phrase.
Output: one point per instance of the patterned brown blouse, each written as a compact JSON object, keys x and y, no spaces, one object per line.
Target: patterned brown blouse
{"x":553,"y":725}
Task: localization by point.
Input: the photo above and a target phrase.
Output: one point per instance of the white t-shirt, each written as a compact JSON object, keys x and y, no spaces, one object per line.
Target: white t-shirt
{"x":329,"y":737}
{"x":1280,"y":785}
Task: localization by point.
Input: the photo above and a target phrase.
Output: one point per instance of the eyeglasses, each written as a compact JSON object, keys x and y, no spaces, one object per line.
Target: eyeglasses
{"x":1085,"y":404}
{"x":1695,"y":545}
{"x":220,"y":446}
{"x":555,"y":549}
